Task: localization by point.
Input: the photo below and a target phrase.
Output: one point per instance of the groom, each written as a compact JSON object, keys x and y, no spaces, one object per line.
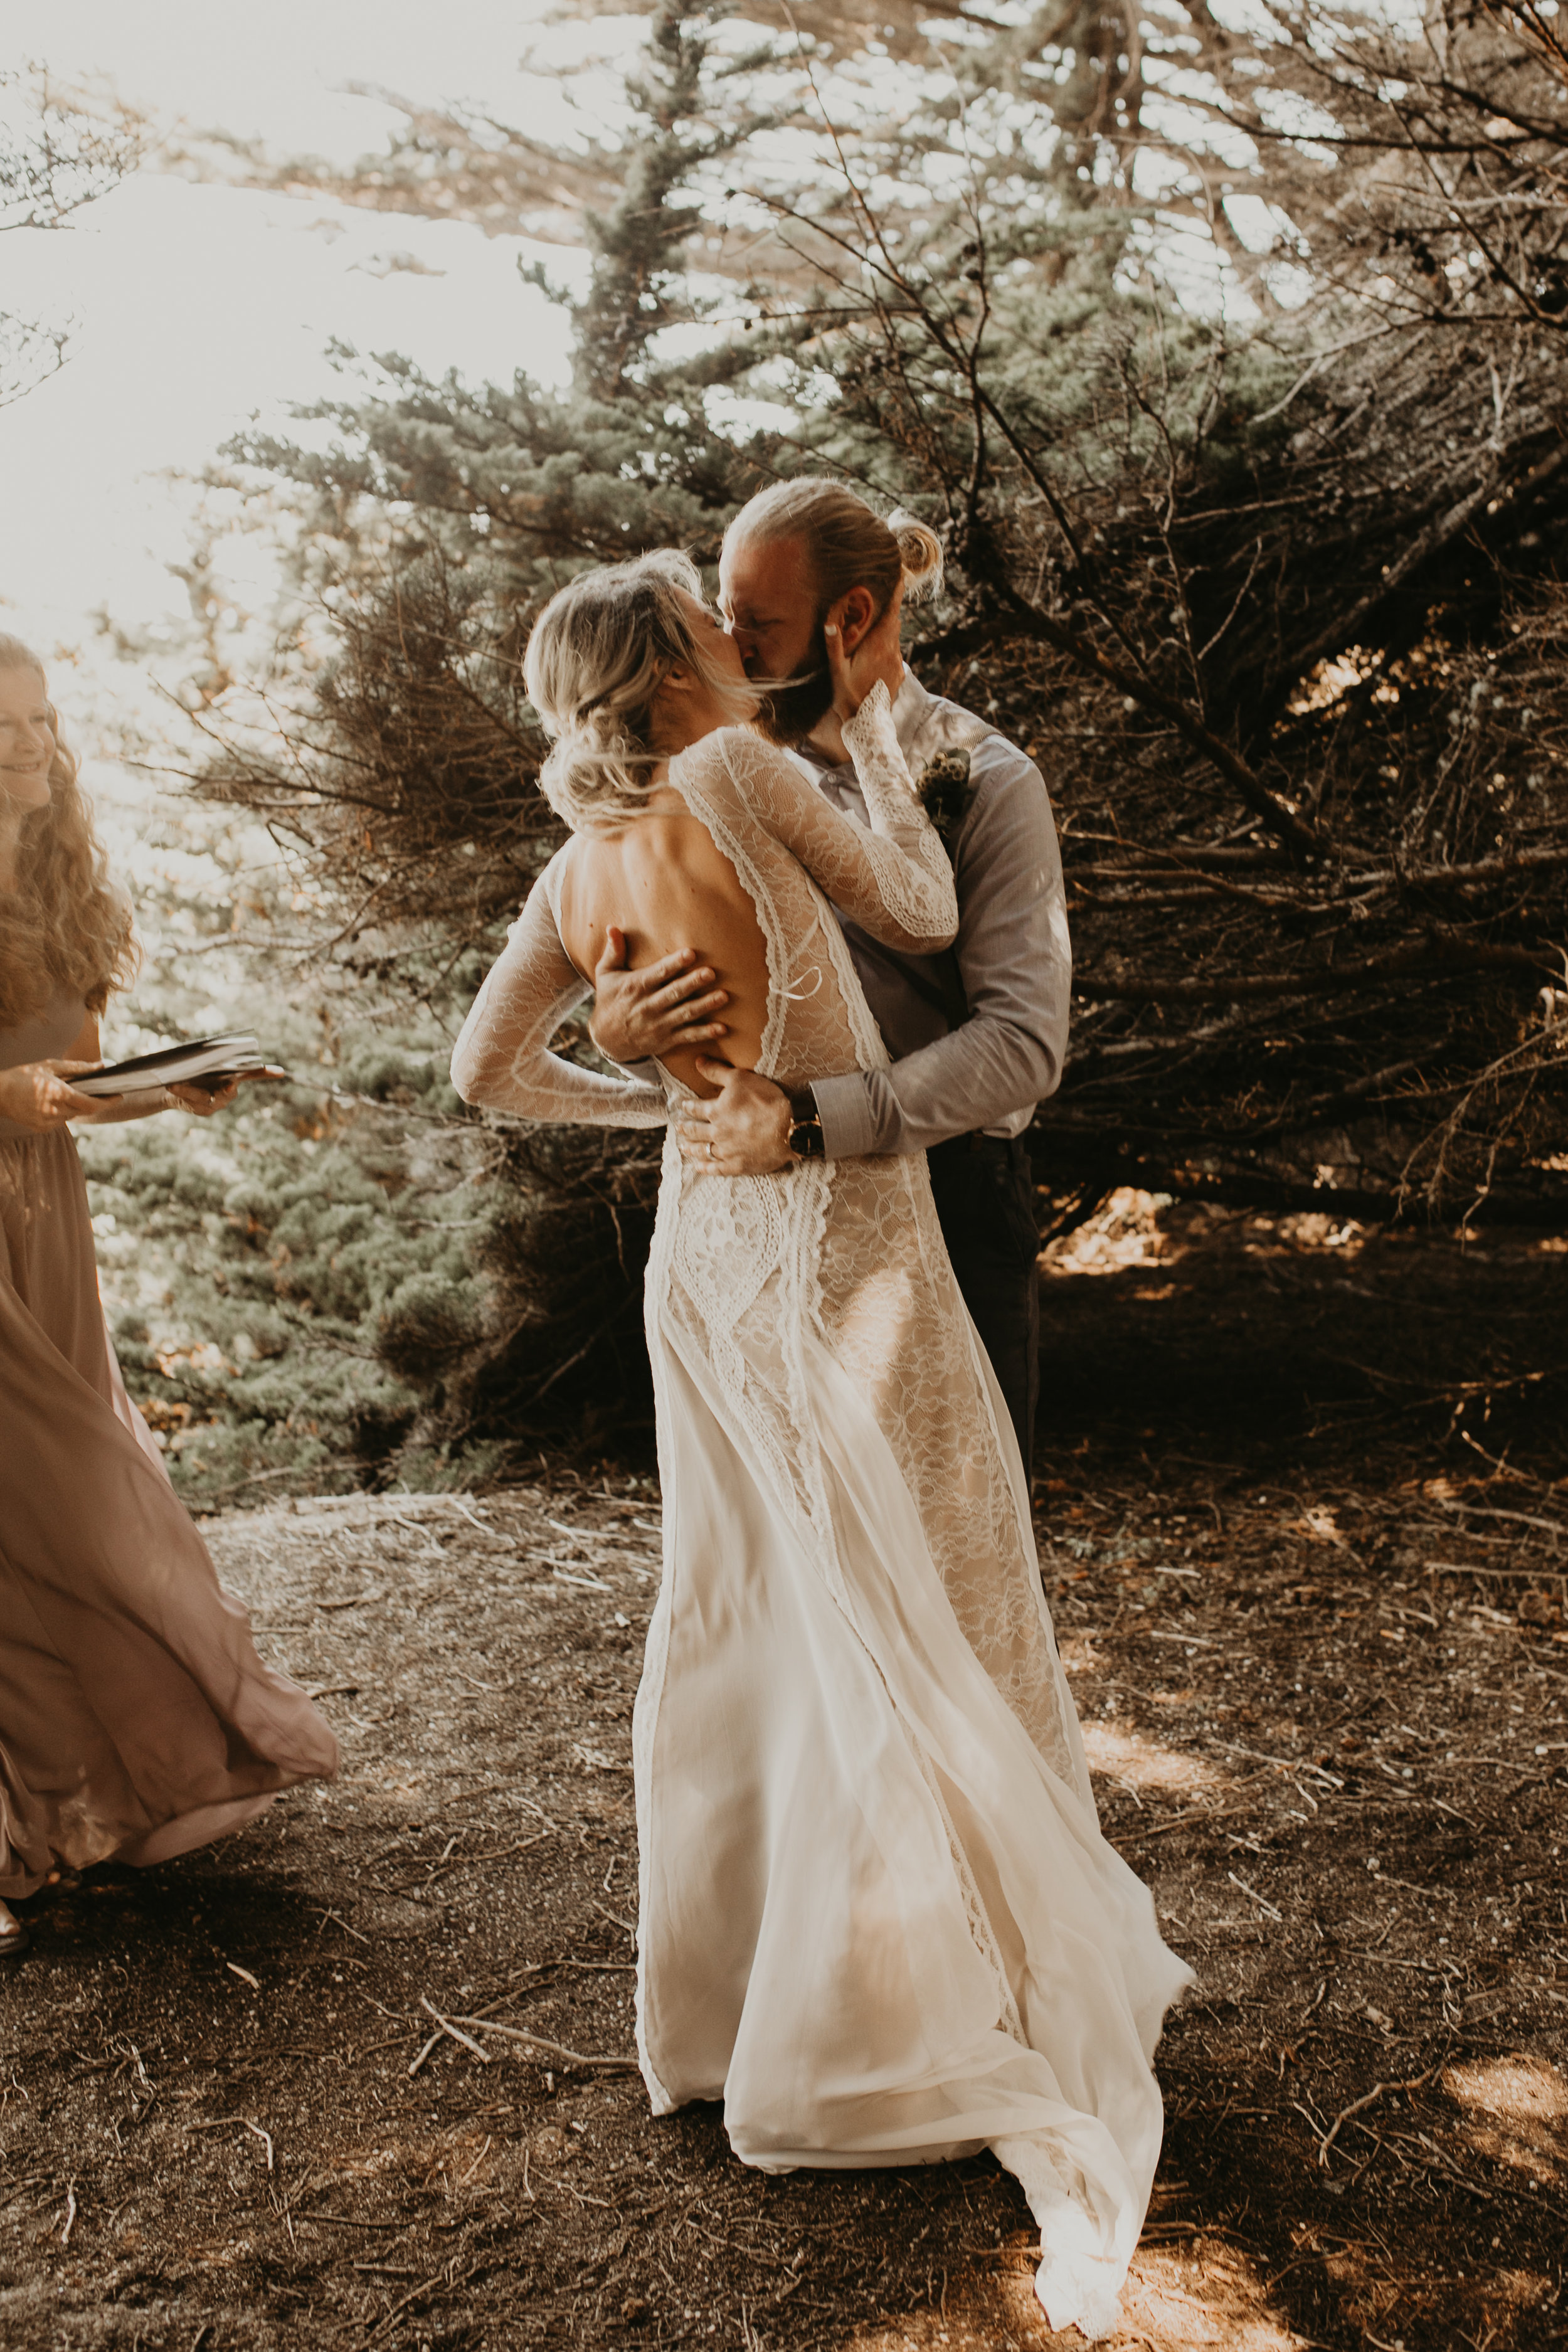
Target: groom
{"x":977,"y":1033}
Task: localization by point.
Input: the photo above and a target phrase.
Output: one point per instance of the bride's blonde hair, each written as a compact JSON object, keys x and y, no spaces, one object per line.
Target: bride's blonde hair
{"x":598,"y":654}
{"x":63,"y":926}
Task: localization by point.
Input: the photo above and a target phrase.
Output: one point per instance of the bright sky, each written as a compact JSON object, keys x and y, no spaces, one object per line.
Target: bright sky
{"x":198,"y":306}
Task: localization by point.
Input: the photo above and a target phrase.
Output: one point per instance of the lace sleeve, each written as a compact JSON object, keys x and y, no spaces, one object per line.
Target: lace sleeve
{"x":895,"y":880}
{"x":501,"y":1059}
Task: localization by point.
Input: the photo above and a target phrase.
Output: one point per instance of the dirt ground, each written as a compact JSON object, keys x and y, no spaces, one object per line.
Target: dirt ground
{"x":1298,"y":1523}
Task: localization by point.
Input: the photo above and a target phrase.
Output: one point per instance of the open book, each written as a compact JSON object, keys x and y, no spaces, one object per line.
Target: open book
{"x":208,"y":1059}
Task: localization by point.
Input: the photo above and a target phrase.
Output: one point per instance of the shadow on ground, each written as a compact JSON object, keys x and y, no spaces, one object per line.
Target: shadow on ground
{"x":1302,"y":1342}
{"x":1316,"y":1637}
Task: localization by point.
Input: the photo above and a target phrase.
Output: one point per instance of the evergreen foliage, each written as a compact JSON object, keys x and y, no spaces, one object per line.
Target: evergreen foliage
{"x":271,"y":1274}
{"x":437,"y":521}
{"x":1303,"y":573}
{"x":309,"y":1272}
{"x":1256,"y":545}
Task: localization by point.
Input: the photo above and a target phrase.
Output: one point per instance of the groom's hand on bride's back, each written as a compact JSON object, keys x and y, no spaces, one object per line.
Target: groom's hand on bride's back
{"x":743,"y":1129}
{"x":640,"y":1015}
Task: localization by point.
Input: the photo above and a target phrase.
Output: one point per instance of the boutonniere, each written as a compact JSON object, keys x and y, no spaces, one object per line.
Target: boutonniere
{"x":946,"y":793}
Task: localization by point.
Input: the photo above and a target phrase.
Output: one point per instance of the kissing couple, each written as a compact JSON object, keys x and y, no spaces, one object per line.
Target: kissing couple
{"x":876,"y":1918}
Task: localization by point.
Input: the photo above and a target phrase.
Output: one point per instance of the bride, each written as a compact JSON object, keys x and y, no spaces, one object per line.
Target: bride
{"x":876,"y":1916}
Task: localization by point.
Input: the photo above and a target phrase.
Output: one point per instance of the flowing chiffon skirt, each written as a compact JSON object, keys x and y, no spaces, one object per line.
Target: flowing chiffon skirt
{"x":136,"y":1719}
{"x":876,"y":1921}
{"x":876,"y":1916}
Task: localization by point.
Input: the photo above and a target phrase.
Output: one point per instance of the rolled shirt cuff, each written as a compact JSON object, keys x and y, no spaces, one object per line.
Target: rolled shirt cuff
{"x":844,"y":1107}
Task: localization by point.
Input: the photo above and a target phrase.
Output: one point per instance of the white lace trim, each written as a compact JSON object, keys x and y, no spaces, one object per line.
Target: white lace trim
{"x":842,"y":1253}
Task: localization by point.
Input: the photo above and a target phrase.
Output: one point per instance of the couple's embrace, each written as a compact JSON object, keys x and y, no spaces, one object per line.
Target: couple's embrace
{"x":876,"y":1916}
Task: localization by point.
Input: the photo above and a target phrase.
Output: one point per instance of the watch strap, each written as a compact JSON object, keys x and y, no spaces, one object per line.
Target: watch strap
{"x":805,"y":1136}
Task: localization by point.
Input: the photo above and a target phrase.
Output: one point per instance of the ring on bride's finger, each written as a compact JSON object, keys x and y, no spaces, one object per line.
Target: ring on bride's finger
{"x":711,"y":1146}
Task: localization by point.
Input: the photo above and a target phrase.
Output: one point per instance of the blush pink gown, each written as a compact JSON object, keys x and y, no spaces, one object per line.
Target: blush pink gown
{"x":136,"y":1719}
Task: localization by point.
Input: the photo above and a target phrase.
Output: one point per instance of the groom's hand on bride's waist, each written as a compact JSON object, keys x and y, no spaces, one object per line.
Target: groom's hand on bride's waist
{"x":743,"y":1130}
{"x":640,"y":1015}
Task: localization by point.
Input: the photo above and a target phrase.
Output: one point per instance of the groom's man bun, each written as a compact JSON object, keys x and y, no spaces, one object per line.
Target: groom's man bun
{"x":847,"y":542}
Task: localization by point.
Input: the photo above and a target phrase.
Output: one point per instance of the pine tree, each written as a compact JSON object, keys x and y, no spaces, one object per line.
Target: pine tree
{"x":1268,"y":585}
{"x":443,"y":516}
{"x":1271,"y":596}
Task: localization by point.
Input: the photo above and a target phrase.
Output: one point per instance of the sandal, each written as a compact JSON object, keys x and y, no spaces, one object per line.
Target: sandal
{"x":14,"y":1937}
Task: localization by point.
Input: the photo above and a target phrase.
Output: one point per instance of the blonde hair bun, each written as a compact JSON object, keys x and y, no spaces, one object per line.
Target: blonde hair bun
{"x":919,"y":552}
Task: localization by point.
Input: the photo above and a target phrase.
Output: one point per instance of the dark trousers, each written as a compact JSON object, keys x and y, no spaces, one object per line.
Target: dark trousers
{"x":985,"y":1192}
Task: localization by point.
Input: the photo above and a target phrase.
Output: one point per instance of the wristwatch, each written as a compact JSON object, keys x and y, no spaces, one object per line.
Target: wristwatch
{"x":806,"y":1126}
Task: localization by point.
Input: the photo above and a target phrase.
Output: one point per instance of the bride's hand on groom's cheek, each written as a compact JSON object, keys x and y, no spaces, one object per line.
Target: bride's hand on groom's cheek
{"x":640,"y":1015}
{"x":743,"y":1130}
{"x":876,"y":655}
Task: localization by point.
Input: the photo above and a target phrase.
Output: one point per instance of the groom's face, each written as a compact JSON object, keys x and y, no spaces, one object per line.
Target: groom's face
{"x":769,"y":601}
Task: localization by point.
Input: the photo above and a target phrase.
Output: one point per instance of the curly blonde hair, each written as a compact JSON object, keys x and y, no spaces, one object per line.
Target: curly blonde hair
{"x":63,"y":926}
{"x":598,"y":654}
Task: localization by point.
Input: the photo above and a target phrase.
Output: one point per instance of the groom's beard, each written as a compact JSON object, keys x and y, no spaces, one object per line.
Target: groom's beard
{"x":788,"y":713}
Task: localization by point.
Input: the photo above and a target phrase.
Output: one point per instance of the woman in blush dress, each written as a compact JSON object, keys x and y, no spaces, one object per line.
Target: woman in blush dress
{"x":876,"y":1916}
{"x":136,"y":1719}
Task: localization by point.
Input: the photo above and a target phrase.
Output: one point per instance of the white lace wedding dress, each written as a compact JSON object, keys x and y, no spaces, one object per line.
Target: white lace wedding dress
{"x":877,"y":1918}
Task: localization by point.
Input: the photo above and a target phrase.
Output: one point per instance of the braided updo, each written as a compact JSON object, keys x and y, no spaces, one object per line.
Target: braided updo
{"x":598,"y":654}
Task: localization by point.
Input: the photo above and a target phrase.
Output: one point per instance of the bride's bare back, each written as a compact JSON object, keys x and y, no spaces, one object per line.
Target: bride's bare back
{"x":670,"y":879}
{"x":662,"y":880}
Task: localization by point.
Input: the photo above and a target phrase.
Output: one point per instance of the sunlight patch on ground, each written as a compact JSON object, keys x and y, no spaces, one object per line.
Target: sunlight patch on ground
{"x":999,"y":2314}
{"x":1141,"y":1763}
{"x":1516,"y":2113}
{"x":1125,"y":1231}
{"x":1319,"y":1524}
{"x":1209,"y":2297}
{"x":1132,"y":1228}
{"x":1307,"y":1229}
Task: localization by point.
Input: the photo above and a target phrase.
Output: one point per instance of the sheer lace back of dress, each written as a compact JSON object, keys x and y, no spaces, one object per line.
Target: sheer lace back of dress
{"x":846,"y":1255}
{"x":874,"y":1277}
